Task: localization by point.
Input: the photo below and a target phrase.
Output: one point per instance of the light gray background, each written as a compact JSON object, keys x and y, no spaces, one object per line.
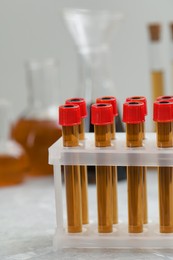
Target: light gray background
{"x":33,"y":29}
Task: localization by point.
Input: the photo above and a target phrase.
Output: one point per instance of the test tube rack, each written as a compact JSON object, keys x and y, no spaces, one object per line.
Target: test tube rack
{"x":120,"y":155}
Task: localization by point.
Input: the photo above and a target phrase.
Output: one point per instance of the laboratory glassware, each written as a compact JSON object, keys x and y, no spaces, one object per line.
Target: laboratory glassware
{"x":13,"y":159}
{"x":156,"y":61}
{"x":37,"y":128}
{"x":70,"y":119}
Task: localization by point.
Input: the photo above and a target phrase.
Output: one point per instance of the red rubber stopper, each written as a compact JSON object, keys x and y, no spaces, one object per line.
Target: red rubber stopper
{"x":133,"y":112}
{"x":163,"y":111}
{"x":165,"y":98}
{"x":139,"y":99}
{"x":69,"y":115}
{"x":102,"y":114}
{"x":109,"y":100}
{"x":82,"y":104}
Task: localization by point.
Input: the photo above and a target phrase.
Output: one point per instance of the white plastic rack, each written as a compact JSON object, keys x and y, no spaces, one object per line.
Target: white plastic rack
{"x":120,"y":155}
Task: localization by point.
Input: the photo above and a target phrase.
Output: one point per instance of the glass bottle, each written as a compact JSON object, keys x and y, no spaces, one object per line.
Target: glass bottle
{"x":13,"y":159}
{"x":156,"y":66}
{"x":37,"y":129}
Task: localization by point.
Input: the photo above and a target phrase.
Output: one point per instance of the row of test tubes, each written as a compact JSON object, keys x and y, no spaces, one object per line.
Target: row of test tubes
{"x":72,"y":118}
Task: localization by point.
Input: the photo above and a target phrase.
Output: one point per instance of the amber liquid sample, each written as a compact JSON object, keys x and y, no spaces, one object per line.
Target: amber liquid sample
{"x":104,"y":198}
{"x":73,"y":198}
{"x":157,"y":80}
{"x":102,"y":135}
{"x":72,"y":183}
{"x":70,"y":136}
{"x":104,"y":182}
{"x":84,"y":179}
{"x":164,"y":134}
{"x":165,"y":175}
{"x":134,"y":137}
{"x":145,"y":203}
{"x":114,"y":182}
{"x":114,"y":194}
{"x":36,"y":136}
{"x":165,"y":179}
{"x":135,"y":198}
{"x":12,"y":169}
{"x":84,"y":194}
{"x":113,"y":130}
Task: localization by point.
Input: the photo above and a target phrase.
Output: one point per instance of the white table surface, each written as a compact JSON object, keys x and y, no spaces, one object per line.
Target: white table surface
{"x":27,"y":224}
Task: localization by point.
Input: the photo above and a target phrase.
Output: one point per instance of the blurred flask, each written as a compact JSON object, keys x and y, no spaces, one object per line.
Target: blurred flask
{"x":91,"y":31}
{"x":156,"y":62}
{"x":37,"y":128}
{"x":13,"y":159}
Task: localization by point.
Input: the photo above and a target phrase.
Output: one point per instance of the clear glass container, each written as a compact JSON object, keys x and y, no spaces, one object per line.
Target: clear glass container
{"x":37,"y":128}
{"x":13,"y":159}
{"x":156,"y":61}
{"x":91,"y":31}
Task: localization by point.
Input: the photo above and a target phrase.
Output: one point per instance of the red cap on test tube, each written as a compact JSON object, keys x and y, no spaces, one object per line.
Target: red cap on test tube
{"x":140,"y":99}
{"x":102,"y":114}
{"x":69,"y":115}
{"x":163,"y":111}
{"x":82,"y":104}
{"x":133,"y":112}
{"x":109,"y":100}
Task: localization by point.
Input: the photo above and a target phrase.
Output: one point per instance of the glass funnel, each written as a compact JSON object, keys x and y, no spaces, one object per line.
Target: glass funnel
{"x":37,"y":128}
{"x":91,"y":31}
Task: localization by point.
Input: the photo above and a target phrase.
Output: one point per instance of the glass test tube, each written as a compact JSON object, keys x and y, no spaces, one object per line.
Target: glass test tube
{"x":157,"y":74}
{"x":83,"y":168}
{"x":112,"y":100}
{"x":102,"y":118}
{"x":163,"y":115}
{"x":69,"y":118}
{"x":145,"y":204}
{"x":133,"y":116}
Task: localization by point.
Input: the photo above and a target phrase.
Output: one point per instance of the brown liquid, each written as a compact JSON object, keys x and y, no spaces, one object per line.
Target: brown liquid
{"x":72,"y":183}
{"x":104,"y":199}
{"x":36,"y":136}
{"x":104,"y":182}
{"x":135,"y":185}
{"x":157,"y":84}
{"x":165,"y":179}
{"x":135,"y":199}
{"x":12,"y":169}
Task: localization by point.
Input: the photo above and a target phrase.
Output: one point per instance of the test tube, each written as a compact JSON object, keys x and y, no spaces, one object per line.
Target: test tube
{"x":102,"y":118}
{"x":69,"y":118}
{"x":156,"y":60}
{"x":133,"y":116}
{"x":83,"y":169}
{"x":163,"y":116}
{"x":145,"y":207}
{"x":112,"y":100}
